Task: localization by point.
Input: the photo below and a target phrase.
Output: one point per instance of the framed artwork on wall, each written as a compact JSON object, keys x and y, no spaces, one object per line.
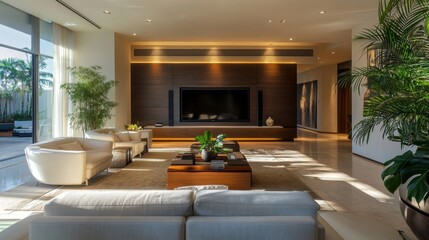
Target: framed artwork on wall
{"x":307,"y":104}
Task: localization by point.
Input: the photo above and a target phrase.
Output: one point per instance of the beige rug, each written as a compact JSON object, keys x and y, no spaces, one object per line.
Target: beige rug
{"x":149,"y":172}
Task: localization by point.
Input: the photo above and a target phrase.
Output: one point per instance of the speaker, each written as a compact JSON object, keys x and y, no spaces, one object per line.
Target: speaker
{"x":170,"y":108}
{"x":260,"y":108}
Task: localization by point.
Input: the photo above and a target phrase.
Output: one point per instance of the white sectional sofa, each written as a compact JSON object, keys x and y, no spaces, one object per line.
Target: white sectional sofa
{"x":178,"y":215}
{"x":68,"y":160}
{"x":119,"y":139}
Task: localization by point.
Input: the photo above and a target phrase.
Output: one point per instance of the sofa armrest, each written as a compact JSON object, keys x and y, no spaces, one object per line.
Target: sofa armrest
{"x":56,"y":166}
{"x":20,"y":229}
{"x":107,"y":228}
{"x":251,"y":228}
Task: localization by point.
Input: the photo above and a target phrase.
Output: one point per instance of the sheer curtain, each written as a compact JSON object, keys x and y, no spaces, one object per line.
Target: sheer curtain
{"x":63,"y":58}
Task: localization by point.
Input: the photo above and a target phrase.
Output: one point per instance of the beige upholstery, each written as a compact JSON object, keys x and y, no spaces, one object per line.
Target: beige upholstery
{"x":119,"y":139}
{"x":51,"y":163}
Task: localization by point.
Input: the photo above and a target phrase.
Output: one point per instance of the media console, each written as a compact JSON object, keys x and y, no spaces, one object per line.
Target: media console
{"x":232,"y":132}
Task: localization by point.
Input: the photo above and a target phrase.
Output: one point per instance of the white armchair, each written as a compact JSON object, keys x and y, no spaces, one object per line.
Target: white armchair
{"x":68,"y":161}
{"x":119,"y":139}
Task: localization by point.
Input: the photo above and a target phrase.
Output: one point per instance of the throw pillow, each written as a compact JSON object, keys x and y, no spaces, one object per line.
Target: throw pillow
{"x":123,"y":136}
{"x":115,"y":137}
{"x":74,"y":146}
{"x":134,"y":136}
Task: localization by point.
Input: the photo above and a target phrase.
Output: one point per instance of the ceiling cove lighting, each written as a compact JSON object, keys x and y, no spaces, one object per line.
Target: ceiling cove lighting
{"x":78,"y":13}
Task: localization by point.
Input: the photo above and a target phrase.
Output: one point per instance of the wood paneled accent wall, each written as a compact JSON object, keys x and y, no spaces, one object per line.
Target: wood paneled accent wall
{"x":151,"y":82}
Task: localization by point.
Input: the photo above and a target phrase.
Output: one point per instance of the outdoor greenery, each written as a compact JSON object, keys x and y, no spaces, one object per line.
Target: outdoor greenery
{"x":89,"y":97}
{"x":397,"y":99}
{"x":16,"y":82}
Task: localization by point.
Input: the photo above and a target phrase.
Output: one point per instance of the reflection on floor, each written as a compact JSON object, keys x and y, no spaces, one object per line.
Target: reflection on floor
{"x":324,"y":162}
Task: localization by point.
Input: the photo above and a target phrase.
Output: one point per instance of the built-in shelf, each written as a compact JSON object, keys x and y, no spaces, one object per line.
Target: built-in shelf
{"x":232,"y":132}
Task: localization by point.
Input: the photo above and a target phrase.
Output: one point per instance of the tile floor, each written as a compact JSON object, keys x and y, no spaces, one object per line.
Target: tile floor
{"x":349,"y":183}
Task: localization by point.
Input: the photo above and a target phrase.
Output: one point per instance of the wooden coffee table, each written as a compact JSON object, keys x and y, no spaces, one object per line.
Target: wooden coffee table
{"x":236,"y":175}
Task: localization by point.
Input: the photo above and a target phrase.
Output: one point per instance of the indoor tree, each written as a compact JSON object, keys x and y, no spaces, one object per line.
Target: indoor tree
{"x":89,"y":97}
{"x":398,"y":91}
{"x":397,"y":100}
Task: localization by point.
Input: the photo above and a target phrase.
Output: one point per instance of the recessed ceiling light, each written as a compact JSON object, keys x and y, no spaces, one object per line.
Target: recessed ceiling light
{"x":290,"y":39}
{"x":107,"y":12}
{"x":322,"y":12}
{"x":332,"y":52}
{"x":148,"y":20}
{"x":134,"y":34}
{"x":270,"y":21}
{"x":282,"y":21}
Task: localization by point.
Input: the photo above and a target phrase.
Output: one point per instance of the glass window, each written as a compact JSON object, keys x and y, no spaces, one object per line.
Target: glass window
{"x":46,"y":102}
{"x":15,"y":27}
{"x":46,"y":42}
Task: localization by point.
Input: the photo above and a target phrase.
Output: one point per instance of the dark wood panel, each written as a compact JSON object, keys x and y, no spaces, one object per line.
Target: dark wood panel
{"x":151,"y":82}
{"x":151,"y":95}
{"x":214,"y":74}
{"x":151,"y":73}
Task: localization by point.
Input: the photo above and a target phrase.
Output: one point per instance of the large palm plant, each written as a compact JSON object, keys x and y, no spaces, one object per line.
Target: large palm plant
{"x":398,"y":91}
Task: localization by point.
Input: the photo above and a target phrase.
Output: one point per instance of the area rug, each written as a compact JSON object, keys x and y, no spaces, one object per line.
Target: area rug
{"x":149,"y":172}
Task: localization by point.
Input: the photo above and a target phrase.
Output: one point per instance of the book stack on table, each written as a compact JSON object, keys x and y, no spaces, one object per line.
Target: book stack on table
{"x":187,"y":158}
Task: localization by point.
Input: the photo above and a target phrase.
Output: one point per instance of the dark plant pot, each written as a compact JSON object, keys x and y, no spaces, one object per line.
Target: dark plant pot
{"x":207,"y":156}
{"x":6,"y":127}
{"x":417,"y":217}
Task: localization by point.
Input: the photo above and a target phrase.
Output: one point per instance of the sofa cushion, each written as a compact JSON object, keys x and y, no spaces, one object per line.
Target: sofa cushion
{"x":74,"y":146}
{"x":121,"y":203}
{"x":115,"y":137}
{"x":123,"y":136}
{"x":111,"y":228}
{"x":251,"y":228}
{"x":254,"y":203}
{"x":134,"y":136}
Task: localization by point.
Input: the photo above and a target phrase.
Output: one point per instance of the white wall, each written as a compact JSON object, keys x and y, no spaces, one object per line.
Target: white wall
{"x":326,"y":77}
{"x":377,"y":149}
{"x":97,"y":48}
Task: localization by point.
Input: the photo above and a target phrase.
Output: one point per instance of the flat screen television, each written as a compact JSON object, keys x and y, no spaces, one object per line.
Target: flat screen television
{"x":220,"y":104}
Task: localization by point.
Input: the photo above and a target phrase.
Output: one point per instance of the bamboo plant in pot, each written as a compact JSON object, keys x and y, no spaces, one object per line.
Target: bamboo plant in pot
{"x":89,"y":97}
{"x":397,"y":100}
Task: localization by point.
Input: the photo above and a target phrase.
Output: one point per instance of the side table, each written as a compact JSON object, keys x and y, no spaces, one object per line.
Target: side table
{"x":146,"y":135}
{"x":121,"y":157}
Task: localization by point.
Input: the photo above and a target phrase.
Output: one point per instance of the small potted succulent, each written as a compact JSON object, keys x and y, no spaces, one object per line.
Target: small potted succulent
{"x":210,"y":146}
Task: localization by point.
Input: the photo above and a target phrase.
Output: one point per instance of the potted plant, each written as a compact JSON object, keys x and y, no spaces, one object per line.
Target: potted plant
{"x":89,"y":96}
{"x":210,"y":146}
{"x":397,"y":100}
{"x":133,"y":127}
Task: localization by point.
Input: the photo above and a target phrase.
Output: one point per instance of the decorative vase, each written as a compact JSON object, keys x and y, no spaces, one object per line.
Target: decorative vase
{"x":207,"y":156}
{"x":269,"y":122}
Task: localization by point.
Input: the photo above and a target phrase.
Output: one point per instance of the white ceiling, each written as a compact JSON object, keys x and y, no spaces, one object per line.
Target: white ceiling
{"x":242,"y":22}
